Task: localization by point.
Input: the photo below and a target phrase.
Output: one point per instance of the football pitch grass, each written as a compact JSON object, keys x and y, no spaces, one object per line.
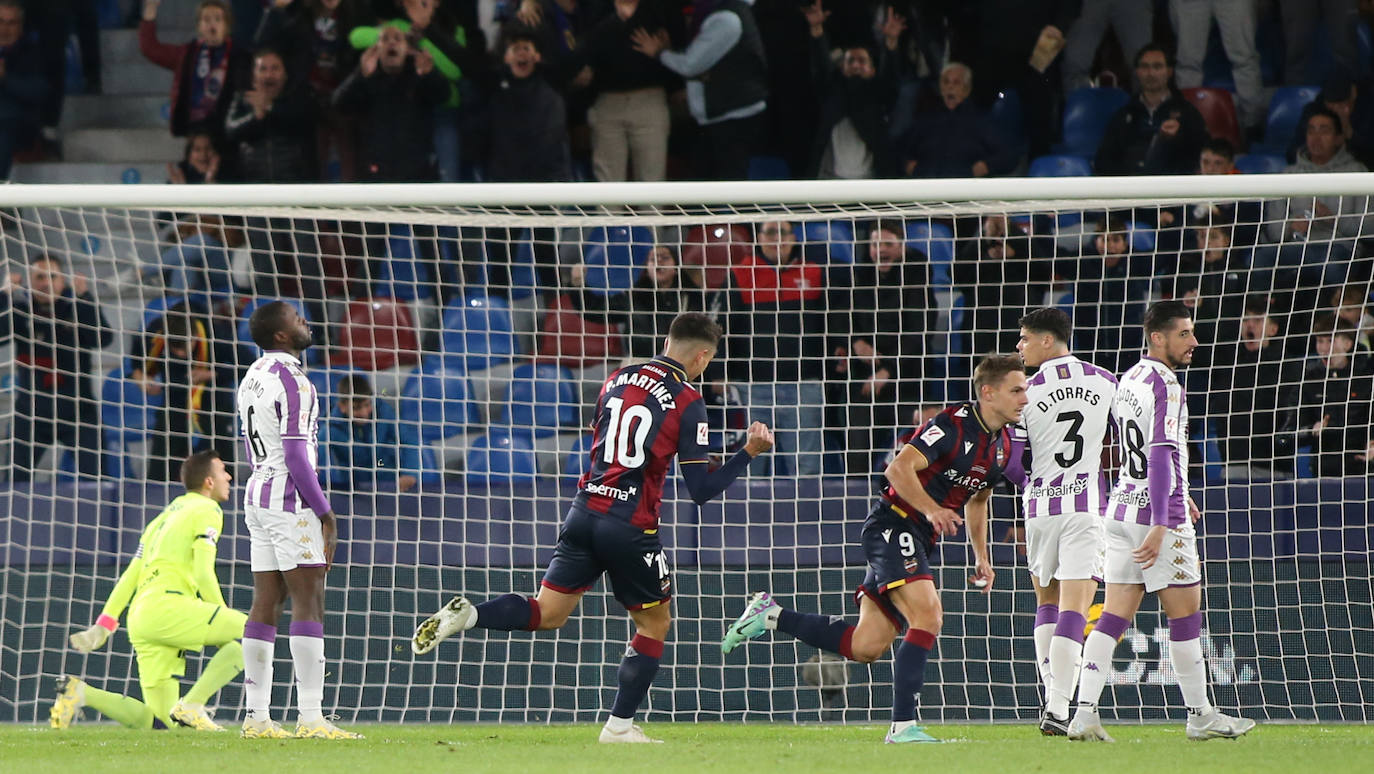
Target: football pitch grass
{"x":689,"y":748}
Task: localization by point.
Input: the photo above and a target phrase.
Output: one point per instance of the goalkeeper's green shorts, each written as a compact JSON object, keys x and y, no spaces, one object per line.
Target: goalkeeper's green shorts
{"x":164,"y":626}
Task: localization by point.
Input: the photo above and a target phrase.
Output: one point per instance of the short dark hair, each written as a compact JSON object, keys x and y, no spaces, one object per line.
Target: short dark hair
{"x":1328,"y":324}
{"x":40,"y":257}
{"x":1221,"y":147}
{"x":1316,"y":110}
{"x":222,"y":5}
{"x":1049,"y":320}
{"x":262,"y":51}
{"x":513,"y":35}
{"x":1152,"y":47}
{"x":355,"y":387}
{"x":1161,"y":315}
{"x":197,"y":468}
{"x":894,"y":227}
{"x":695,"y":326}
{"x":17,"y":5}
{"x":994,"y":369}
{"x":1257,"y":306}
{"x":266,"y":321}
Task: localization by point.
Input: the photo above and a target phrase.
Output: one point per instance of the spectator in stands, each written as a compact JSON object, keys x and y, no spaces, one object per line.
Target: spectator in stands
{"x":364,"y":446}
{"x":1131,"y":20}
{"x":1157,"y":133}
{"x":878,"y":323}
{"x":727,"y":83}
{"x":394,"y":92}
{"x":1254,"y":387}
{"x":200,"y":260}
{"x":1213,"y":280}
{"x":189,"y":360}
{"x":54,"y":21}
{"x":1300,"y":21}
{"x":205,"y":72}
{"x":1334,"y":405}
{"x":629,"y":118}
{"x":1218,"y":157}
{"x":524,"y":135}
{"x":957,"y":139}
{"x":1192,"y":20}
{"x":271,"y":125}
{"x":1341,"y":95}
{"x":1313,"y":239}
{"x":313,"y":37}
{"x":1351,"y":303}
{"x":22,"y":85}
{"x":56,"y":328}
{"x":1110,"y":291}
{"x":559,"y":28}
{"x":200,"y":164}
{"x":775,"y":320}
{"x":856,"y":97}
{"x":1000,"y":281}
{"x":663,"y":291}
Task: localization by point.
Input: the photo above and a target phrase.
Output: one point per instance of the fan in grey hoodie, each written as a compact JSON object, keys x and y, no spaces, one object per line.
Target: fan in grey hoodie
{"x":1314,"y":238}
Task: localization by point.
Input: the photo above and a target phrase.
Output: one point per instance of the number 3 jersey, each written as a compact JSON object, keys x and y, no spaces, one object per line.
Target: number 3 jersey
{"x":647,"y":414}
{"x":276,"y":403}
{"x":1152,"y":419}
{"x":1067,"y":418}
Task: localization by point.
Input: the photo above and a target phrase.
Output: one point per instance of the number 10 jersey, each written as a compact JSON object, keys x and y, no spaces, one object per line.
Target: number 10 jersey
{"x":1067,"y":419}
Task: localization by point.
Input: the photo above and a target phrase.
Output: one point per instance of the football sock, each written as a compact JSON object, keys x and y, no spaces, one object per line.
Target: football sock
{"x":909,"y":672}
{"x":259,"y":643}
{"x":225,"y":666}
{"x":636,"y":674}
{"x":307,"y":656}
{"x":509,"y":613}
{"x":1097,"y":658}
{"x":1066,"y":651}
{"x":1185,"y":651}
{"x":127,"y":711}
{"x":1046,"y":617}
{"x":832,"y":634}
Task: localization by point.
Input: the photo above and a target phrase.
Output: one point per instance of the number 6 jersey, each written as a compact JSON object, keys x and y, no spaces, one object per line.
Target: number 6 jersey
{"x":1067,"y":419}
{"x":276,"y":403}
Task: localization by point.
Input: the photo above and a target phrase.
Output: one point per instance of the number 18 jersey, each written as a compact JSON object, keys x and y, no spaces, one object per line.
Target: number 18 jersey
{"x":1067,"y":419}
{"x":1151,"y":411}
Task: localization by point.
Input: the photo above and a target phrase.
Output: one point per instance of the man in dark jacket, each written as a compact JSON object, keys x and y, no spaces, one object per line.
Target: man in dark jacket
{"x":1253,"y":387}
{"x":272,"y":125}
{"x":855,"y":98}
{"x":1157,"y":133}
{"x":524,"y":137}
{"x":22,"y":86}
{"x":1334,"y":410}
{"x":56,"y":327}
{"x":957,"y":140}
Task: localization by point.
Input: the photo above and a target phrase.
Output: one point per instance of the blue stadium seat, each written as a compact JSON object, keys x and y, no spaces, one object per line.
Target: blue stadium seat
{"x":326,"y":377}
{"x":1087,"y":111}
{"x":439,"y":401}
{"x":543,"y":397}
{"x":403,"y":275}
{"x":615,"y":256}
{"x":1061,"y":166}
{"x":834,"y":240}
{"x":501,"y":458}
{"x":1261,"y":163}
{"x":477,"y":332}
{"x":936,"y":240}
{"x":159,"y":306}
{"x":1008,"y":116}
{"x":769,"y":168}
{"x":523,"y":280}
{"x":1142,"y":237}
{"x":578,"y":457}
{"x":1285,"y":108}
{"x":127,"y":415}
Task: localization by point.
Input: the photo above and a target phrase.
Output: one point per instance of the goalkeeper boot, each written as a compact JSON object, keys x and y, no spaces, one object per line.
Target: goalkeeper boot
{"x":458,"y":615}
{"x":263,"y":729}
{"x":1215,"y":725}
{"x":908,"y":735}
{"x":1086,"y":726}
{"x":194,"y":716}
{"x":752,"y":622}
{"x":71,"y":697}
{"x":323,"y":729}
{"x":631,"y":735}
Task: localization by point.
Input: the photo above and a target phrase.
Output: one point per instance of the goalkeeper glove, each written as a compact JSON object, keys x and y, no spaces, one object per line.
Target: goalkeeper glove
{"x":95,"y":636}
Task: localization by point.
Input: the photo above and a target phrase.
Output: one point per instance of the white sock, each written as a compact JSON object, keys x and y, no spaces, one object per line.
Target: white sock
{"x":307,"y":656}
{"x":1097,"y":665}
{"x":618,"y":725}
{"x":257,"y":677}
{"x":770,"y":619}
{"x":898,"y":726}
{"x":1044,"y":633}
{"x":1065,"y":658}
{"x":1192,"y":675}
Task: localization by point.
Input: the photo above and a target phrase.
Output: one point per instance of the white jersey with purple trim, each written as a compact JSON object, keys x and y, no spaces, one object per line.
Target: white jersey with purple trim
{"x":276,"y":403}
{"x":1067,"y":419}
{"x":1150,"y":410}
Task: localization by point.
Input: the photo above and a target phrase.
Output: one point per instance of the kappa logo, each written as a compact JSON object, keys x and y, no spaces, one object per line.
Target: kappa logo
{"x":1092,"y":667}
{"x":303,"y":523}
{"x":967,"y":446}
{"x":1180,"y":559}
{"x":307,"y":555}
{"x":1180,"y":575}
{"x":305,"y":540}
{"x":1178,"y":544}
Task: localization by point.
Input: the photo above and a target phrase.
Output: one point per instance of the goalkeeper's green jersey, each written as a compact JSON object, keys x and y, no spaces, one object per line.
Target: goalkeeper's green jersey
{"x":176,"y":553}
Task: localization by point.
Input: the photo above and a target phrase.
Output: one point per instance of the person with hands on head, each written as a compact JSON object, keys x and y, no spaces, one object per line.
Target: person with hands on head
{"x":940,"y":479}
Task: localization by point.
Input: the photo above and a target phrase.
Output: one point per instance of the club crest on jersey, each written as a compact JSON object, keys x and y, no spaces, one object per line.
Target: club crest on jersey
{"x":912,"y":564}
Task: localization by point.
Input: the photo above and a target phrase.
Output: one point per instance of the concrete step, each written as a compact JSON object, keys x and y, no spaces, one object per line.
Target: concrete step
{"x":90,"y":172}
{"x":135,"y":77}
{"x":122,"y":145}
{"x":121,"y":45}
{"x":86,"y":111}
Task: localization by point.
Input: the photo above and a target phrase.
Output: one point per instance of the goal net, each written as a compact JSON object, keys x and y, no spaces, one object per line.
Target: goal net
{"x":463,"y":333}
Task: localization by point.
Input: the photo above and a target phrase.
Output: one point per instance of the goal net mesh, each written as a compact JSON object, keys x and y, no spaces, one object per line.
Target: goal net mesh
{"x":458,"y":358}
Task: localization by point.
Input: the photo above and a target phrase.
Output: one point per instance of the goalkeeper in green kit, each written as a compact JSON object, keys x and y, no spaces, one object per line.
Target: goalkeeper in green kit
{"x":175,"y":605}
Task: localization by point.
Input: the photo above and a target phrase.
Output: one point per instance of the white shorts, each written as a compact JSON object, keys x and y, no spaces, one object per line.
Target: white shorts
{"x":1176,"y":565}
{"x":1069,"y":546}
{"x":283,"y":541}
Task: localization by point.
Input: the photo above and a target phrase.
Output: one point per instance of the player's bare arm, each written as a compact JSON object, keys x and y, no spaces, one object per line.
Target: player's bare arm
{"x":976,"y":512}
{"x":901,"y":472}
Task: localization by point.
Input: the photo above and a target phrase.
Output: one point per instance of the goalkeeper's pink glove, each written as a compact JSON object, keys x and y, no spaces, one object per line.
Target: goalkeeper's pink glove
{"x":95,"y":636}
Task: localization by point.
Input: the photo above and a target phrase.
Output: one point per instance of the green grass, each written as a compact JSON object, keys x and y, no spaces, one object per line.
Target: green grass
{"x":691,"y":748}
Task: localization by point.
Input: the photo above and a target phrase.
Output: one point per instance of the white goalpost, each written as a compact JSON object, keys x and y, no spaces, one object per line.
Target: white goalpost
{"x":477,"y":323}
